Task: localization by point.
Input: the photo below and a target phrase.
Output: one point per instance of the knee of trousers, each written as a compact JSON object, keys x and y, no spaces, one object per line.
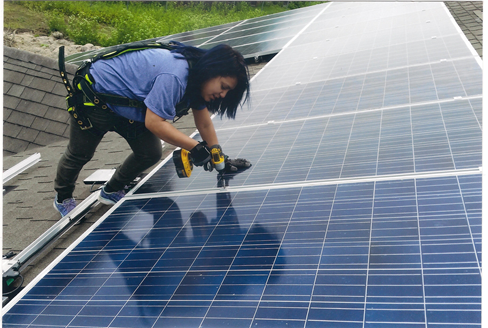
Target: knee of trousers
{"x":150,"y":158}
{"x":76,"y":158}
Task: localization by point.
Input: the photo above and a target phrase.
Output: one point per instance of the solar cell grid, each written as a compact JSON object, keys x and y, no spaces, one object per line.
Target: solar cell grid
{"x":432,"y":137}
{"x":256,"y":31}
{"x":355,"y":93}
{"x":200,"y":36}
{"x":375,"y":249}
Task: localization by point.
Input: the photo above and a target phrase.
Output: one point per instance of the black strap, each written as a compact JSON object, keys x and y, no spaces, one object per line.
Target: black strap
{"x":88,"y":95}
{"x":74,"y":98}
{"x":62,"y":71}
{"x":124,"y":48}
{"x":102,"y":99}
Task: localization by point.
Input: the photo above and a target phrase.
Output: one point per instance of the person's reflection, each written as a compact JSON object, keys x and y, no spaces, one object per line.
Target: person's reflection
{"x":159,"y":260}
{"x":200,"y":227}
{"x":147,"y":235}
{"x":255,"y":246}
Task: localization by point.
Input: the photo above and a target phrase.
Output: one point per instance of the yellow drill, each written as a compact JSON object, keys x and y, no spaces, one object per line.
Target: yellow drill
{"x":182,"y":159}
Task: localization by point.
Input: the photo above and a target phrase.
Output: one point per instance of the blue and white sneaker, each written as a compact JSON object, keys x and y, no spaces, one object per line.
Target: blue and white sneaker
{"x":64,"y":207}
{"x":110,"y":198}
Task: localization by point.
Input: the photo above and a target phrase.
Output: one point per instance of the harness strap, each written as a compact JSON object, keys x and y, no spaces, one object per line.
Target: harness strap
{"x":62,"y":71}
{"x":88,"y":97}
{"x":84,"y":81}
{"x":73,"y":98}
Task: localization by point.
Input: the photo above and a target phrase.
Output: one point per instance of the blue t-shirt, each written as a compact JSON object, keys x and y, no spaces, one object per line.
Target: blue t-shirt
{"x":155,"y":76}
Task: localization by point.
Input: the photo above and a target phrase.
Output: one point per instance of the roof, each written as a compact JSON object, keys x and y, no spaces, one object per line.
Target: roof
{"x":33,"y":100}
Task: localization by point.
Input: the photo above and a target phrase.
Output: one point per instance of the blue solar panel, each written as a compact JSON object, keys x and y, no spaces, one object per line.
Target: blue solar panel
{"x":362,"y":207}
{"x":338,"y":254}
{"x":434,"y":137}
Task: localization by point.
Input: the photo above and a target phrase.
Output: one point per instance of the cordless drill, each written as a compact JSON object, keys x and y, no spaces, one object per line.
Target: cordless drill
{"x":200,"y":155}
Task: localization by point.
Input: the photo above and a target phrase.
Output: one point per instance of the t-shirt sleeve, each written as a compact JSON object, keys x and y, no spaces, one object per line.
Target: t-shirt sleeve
{"x":165,"y":93}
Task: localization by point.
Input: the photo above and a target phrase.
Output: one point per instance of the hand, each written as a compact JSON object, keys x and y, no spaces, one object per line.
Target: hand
{"x":200,"y":154}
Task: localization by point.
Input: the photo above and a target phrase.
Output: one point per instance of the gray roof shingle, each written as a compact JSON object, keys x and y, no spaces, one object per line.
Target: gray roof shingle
{"x":34,"y":101}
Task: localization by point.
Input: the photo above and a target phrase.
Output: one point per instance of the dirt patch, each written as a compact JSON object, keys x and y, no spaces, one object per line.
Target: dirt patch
{"x":43,"y":45}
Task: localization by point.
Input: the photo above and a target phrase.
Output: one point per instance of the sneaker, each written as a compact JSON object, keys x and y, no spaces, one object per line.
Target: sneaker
{"x":65,"y":207}
{"x":110,"y":198}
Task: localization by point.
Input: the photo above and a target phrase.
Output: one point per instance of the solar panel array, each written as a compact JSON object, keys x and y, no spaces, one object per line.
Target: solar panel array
{"x":253,"y":37}
{"x":362,"y":207}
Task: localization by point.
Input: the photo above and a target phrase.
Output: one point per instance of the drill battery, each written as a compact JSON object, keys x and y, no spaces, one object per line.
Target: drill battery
{"x":183,"y":164}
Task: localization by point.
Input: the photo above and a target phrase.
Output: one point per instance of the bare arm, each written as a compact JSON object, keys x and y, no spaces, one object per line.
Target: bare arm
{"x":167,"y":132}
{"x":204,"y":124}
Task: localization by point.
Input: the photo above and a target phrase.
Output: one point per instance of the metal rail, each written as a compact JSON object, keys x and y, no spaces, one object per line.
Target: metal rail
{"x":11,"y":268}
{"x":20,"y":167}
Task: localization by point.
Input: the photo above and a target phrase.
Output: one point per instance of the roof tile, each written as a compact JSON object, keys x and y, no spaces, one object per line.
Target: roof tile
{"x":41,"y":75}
{"x":40,"y":123}
{"x":11,"y":130}
{"x":14,"y":145}
{"x":6,"y":86}
{"x":23,"y":56}
{"x":47,"y":62}
{"x":33,"y":108}
{"x":16,"y":90}
{"x":12,"y":76}
{"x":10,"y":102}
{"x":56,"y":114}
{"x":20,"y":118}
{"x":59,"y":90}
{"x":32,"y":94}
{"x":46,"y":138}
{"x":47,"y":70}
{"x":27,"y":80}
{"x":6,"y":113}
{"x":66,"y":133}
{"x":54,"y":101}
{"x":27,"y":65}
{"x":42,"y":84}
{"x":15,"y":68}
{"x":56,"y":128}
{"x":28,"y":134}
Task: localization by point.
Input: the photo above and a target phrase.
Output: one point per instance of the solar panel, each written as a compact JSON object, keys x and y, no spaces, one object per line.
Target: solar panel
{"x":338,"y":254}
{"x":411,"y":139}
{"x":362,"y":207}
{"x":253,"y":37}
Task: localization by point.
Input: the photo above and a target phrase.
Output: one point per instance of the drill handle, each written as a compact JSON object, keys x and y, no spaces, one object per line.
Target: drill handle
{"x":218,"y":158}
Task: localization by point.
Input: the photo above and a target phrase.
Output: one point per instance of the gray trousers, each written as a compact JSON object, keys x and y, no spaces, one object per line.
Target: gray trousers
{"x":146,"y":148}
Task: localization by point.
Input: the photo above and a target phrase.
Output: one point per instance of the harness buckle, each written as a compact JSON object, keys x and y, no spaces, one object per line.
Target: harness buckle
{"x":133,"y":103}
{"x":86,"y":126}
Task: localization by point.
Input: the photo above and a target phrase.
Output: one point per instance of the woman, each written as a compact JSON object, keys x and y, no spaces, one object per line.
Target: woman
{"x":216,"y":82}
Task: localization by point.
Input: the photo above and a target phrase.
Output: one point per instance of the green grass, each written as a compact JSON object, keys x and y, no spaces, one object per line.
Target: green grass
{"x":108,"y":23}
{"x":16,"y":17}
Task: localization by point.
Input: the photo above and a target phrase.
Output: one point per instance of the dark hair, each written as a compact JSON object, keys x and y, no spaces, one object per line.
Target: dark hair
{"x":220,"y":60}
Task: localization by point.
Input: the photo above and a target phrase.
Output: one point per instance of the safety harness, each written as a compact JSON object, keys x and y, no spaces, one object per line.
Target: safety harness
{"x":82,"y":94}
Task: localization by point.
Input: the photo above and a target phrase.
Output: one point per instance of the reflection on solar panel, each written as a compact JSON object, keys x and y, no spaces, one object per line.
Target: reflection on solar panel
{"x":372,"y":251}
{"x":252,"y":37}
{"x":362,"y":207}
